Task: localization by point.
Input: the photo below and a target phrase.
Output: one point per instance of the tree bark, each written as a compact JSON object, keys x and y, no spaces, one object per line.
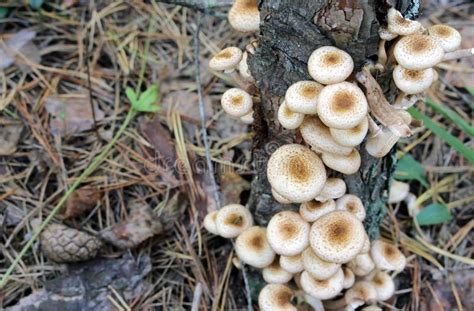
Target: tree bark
{"x":290,"y":31}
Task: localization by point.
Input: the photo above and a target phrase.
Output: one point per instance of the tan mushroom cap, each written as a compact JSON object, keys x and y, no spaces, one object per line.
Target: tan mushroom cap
{"x":318,"y":268}
{"x":244,"y":16}
{"x":236,"y":102}
{"x":252,"y":247}
{"x":351,"y":137}
{"x":387,"y":256}
{"x":386,"y":35}
{"x":248,"y":118}
{"x":412,"y":81}
{"x":276,"y":297}
{"x":232,"y":220}
{"x":329,"y":65}
{"x":288,"y":233}
{"x":312,"y":210}
{"x":244,"y":68}
{"x":349,"y":278}
{"x":347,"y":165}
{"x":289,"y":119}
{"x":380,"y":145}
{"x":275,"y":274}
{"x":292,"y":264}
{"x":227,"y":59}
{"x":322,"y":289}
{"x":448,"y":37}
{"x":296,"y":173}
{"x":316,"y":134}
{"x":362,"y":265}
{"x":417,"y":52}
{"x":384,"y":285}
{"x":362,"y":292}
{"x":399,"y":25}
{"x":210,"y":222}
{"x":342,"y":105}
{"x":279,"y":198}
{"x":337,"y":237}
{"x":302,"y":97}
{"x":398,"y":191}
{"x":334,"y":188}
{"x":352,"y":204}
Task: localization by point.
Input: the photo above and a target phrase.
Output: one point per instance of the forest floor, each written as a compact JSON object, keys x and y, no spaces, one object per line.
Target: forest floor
{"x":76,"y":56}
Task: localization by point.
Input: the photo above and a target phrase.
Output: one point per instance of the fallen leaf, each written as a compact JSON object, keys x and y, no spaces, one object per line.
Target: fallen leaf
{"x":10,"y":133}
{"x":187,"y":104}
{"x":71,"y":114}
{"x":141,"y":225}
{"x":18,"y":43}
{"x":232,"y":186}
{"x":81,"y":200}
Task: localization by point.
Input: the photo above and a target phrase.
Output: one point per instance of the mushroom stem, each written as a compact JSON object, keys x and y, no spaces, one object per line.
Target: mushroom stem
{"x":382,"y":56}
{"x":458,"y":54}
{"x":374,"y":129}
{"x":399,"y":100}
{"x":335,"y":304}
{"x":408,"y":101}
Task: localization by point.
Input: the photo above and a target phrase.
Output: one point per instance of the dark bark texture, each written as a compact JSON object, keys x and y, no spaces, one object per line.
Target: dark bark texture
{"x":290,"y":31}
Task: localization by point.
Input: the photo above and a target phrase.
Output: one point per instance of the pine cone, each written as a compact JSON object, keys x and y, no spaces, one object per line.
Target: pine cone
{"x":63,"y":244}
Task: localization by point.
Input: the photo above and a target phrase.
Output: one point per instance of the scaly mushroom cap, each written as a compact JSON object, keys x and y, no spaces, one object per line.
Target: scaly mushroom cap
{"x":312,"y":210}
{"x":227,"y":59}
{"x":417,"y":52}
{"x":292,"y":264}
{"x":349,"y":278}
{"x":279,"y":198}
{"x":236,"y":102}
{"x":289,"y":119}
{"x":316,"y":134}
{"x":448,"y":37}
{"x":232,"y":220}
{"x":275,"y":274}
{"x":337,"y":237}
{"x":334,"y":188}
{"x":351,"y":137}
{"x":318,"y":268}
{"x":296,"y":173}
{"x":347,"y":165}
{"x":412,"y":81}
{"x":322,"y":289}
{"x":329,"y":65}
{"x":380,"y":145}
{"x":244,"y":16}
{"x":362,"y":265}
{"x":352,"y":204}
{"x":288,"y":233}
{"x":384,"y":285}
{"x":252,"y":247}
{"x":387,"y":256}
{"x":362,"y":292}
{"x":398,"y":191}
{"x":210,"y":222}
{"x":386,"y":35}
{"x":302,"y":97}
{"x":342,"y":105}
{"x":399,"y":25}
{"x":276,"y":297}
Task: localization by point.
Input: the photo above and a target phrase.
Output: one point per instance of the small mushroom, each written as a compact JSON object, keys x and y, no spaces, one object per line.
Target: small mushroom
{"x":244,"y":68}
{"x":236,"y":102}
{"x":252,"y":247}
{"x":342,"y":105}
{"x":387,"y":256}
{"x":352,"y":204}
{"x":361,"y":293}
{"x":279,"y":198}
{"x":417,"y":52}
{"x":383,"y":284}
{"x":362,"y":265}
{"x":317,"y":135}
{"x":244,"y":16}
{"x":412,"y":81}
{"x":329,"y":65}
{"x":292,"y":264}
{"x":334,"y":188}
{"x":337,"y":237}
{"x":398,"y":192}
{"x":312,"y":210}
{"x":226,"y":60}
{"x":347,"y":165}
{"x":289,"y":119}
{"x":288,"y":233}
{"x":276,"y":297}
{"x":210,"y":222}
{"x":248,"y":118}
{"x":380,"y":145}
{"x":302,"y":96}
{"x":399,"y":25}
{"x":349,"y":278}
{"x":447,"y":37}
{"x":275,"y":274}
{"x":232,"y":220}
{"x":351,"y":137}
{"x":322,"y":289}
{"x":318,"y":268}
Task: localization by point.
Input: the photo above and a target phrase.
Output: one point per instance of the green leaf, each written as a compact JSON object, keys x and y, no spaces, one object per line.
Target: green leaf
{"x":35,"y":4}
{"x":433,"y":214}
{"x":452,"y":115}
{"x":443,"y":134}
{"x":470,"y":90}
{"x":410,"y":169}
{"x":148,"y":99}
{"x":3,"y":12}
{"x":132,"y":96}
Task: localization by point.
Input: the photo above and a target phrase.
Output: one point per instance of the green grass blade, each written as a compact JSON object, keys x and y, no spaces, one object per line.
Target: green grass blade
{"x":451,"y":115}
{"x":443,"y":134}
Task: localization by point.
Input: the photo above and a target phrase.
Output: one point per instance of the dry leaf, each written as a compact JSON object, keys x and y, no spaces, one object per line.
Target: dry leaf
{"x":18,"y":43}
{"x":232,"y":186}
{"x":187,"y":104}
{"x":81,"y":200}
{"x":9,"y":137}
{"x":71,"y":115}
{"x":141,"y":225}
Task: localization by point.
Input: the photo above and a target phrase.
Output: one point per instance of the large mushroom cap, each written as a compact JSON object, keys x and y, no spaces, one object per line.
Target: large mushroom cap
{"x":316,"y":134}
{"x":351,"y":137}
{"x":322,"y":289}
{"x":276,"y":297}
{"x":399,"y":25}
{"x":232,"y":220}
{"x":227,"y":59}
{"x":329,"y":65}
{"x":236,"y":102}
{"x":412,"y":81}
{"x":312,"y":210}
{"x":296,"y":173}
{"x":302,"y":96}
{"x":334,"y":188}
{"x":244,"y":16}
{"x":252,"y":247}
{"x":288,"y":233}
{"x":347,"y":165}
{"x":448,"y":37}
{"x":337,"y":237}
{"x":318,"y":268}
{"x":387,"y":256}
{"x":275,"y":274}
{"x":342,"y":105}
{"x":417,"y":52}
{"x":352,"y":204}
{"x":289,"y":119}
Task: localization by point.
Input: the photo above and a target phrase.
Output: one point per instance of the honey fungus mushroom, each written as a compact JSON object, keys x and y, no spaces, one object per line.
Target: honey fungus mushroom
{"x":329,"y":65}
{"x":288,"y":233}
{"x":226,"y":60}
{"x":275,"y":274}
{"x":302,"y":96}
{"x":289,"y":119}
{"x":210,"y":222}
{"x":312,"y":210}
{"x":292,"y":264}
{"x":322,"y":289}
{"x":387,"y":256}
{"x":318,"y":268}
{"x":244,"y":16}
{"x":352,"y":204}
{"x":232,"y":220}
{"x":399,"y":25}
{"x":296,"y":173}
{"x":276,"y":297}
{"x":446,"y":36}
{"x":253,"y":249}
{"x":417,"y":52}
{"x":351,"y":137}
{"x":347,"y":165}
{"x":236,"y":102}
{"x":317,"y":135}
{"x":412,"y":81}
{"x":334,"y":188}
